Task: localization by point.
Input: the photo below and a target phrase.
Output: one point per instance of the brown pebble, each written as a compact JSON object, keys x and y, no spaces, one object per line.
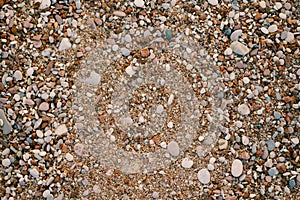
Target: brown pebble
{"x":145,"y":52}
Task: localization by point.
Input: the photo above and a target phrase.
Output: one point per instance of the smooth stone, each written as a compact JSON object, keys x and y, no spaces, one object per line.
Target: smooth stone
{"x":277,"y":115}
{"x":204,"y":176}
{"x":46,"y":193}
{"x":173,"y":148}
{"x":45,"y":4}
{"x":7,"y":128}
{"x":125,"y":52}
{"x":69,"y":157}
{"x":223,"y":144}
{"x":119,"y":13}
{"x":264,"y":30}
{"x":236,"y":34}
{"x":6,"y":162}
{"x":262,"y":4}
{"x":228,"y":52}
{"x":168,"y":34}
{"x":29,"y":71}
{"x":236,"y":168}
{"x":44,"y":106}
{"x":61,"y":129}
{"x":239,"y":48}
{"x":96,"y":189}
{"x":278,"y":5}
{"x":295,"y":141}
{"x":34,"y":173}
{"x":155,"y":195}
{"x":271,"y":145}
{"x":243,"y":109}
{"x":65,"y":44}
{"x":94,"y":78}
{"x":213,"y":2}
{"x":187,"y":163}
{"x":245,"y":140}
{"x":282,"y":15}
{"x":273,"y":171}
{"x":18,"y":75}
{"x":139,"y":3}
{"x":159,"y":109}
{"x":272,"y":28}
{"x":292,"y":183}
{"x":289,"y":37}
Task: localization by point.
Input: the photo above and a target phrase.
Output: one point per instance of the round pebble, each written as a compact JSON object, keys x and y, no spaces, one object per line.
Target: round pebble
{"x":173,"y":148}
{"x":236,"y":168}
{"x":6,"y":162}
{"x":243,"y":109}
{"x":204,"y":176}
{"x":69,"y":157}
{"x":139,"y":3}
{"x":187,"y":163}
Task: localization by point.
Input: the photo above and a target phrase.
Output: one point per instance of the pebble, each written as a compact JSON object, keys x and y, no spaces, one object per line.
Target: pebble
{"x":236,"y":168}
{"x":223,"y":144}
{"x":34,"y":173}
{"x":245,"y":140}
{"x":65,"y":44}
{"x":155,"y":195}
{"x":173,"y":148}
{"x":6,"y":162}
{"x":228,"y":52}
{"x":204,"y":176}
{"x":46,"y":193}
{"x":139,"y":3}
{"x":272,"y":28}
{"x":239,"y":48}
{"x":119,"y":13}
{"x":264,"y":30}
{"x":289,"y":37}
{"x":125,"y":52}
{"x":187,"y":163}
{"x":30,"y":71}
{"x":45,"y":4}
{"x":295,"y":140}
{"x":44,"y":106}
{"x":292,"y":183}
{"x":277,"y":115}
{"x":243,"y":109}
{"x":69,"y":157}
{"x":96,"y":189}
{"x":273,"y":171}
{"x":213,"y":2}
{"x":159,"y":109}
{"x":271,"y":145}
{"x":94,"y":78}
{"x":7,"y":128}
{"x":61,"y":129}
{"x":18,"y":75}
{"x":236,"y":34}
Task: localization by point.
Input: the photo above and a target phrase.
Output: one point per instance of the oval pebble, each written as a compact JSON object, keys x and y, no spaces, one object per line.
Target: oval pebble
{"x":243,"y":109}
{"x":187,"y":163}
{"x":236,"y":168}
{"x":6,"y":162}
{"x":173,"y":148}
{"x":204,"y":176}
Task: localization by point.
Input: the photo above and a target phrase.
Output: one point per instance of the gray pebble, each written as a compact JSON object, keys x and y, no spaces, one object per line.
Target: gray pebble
{"x":273,"y":171}
{"x":125,"y":51}
{"x":271,"y":145}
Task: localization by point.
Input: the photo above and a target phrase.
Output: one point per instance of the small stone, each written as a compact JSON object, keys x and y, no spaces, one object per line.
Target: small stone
{"x":262,"y":4}
{"x":295,"y":141}
{"x":273,"y":171}
{"x":125,"y":52}
{"x":80,"y":149}
{"x":187,"y":163}
{"x":287,"y":6}
{"x":65,"y":44}
{"x":292,"y":183}
{"x":236,"y":34}
{"x":44,"y":106}
{"x":168,"y":34}
{"x":61,"y":129}
{"x":228,"y":52}
{"x":278,"y":5}
{"x":204,"y":176}
{"x":173,"y":148}
{"x":289,"y":37}
{"x":29,"y":71}
{"x":155,"y":195}
{"x":277,"y":115}
{"x":69,"y":157}
{"x":271,"y":145}
{"x":264,"y":30}
{"x":213,"y":2}
{"x":18,"y":75}
{"x":46,"y":193}
{"x":282,"y":15}
{"x":45,"y":4}
{"x":34,"y":173}
{"x":272,"y":28}
{"x":239,"y":48}
{"x":6,"y":127}
{"x":139,"y":3}
{"x":236,"y":168}
{"x":243,"y":109}
{"x":245,"y":140}
{"x":159,"y":109}
{"x":223,"y":144}
{"x":130,"y":71}
{"x":119,"y":13}
{"x":6,"y":162}
{"x":145,"y":52}
{"x":96,"y":189}
{"x":246,"y":80}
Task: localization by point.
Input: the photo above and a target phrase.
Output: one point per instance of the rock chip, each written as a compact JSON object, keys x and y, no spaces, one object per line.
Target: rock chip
{"x":65,"y":44}
{"x":239,"y":48}
{"x":173,"y":148}
{"x":204,"y":176}
{"x":236,"y":168}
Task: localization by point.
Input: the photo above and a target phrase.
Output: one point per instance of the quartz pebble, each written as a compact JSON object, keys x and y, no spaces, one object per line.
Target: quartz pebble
{"x":243,"y":109}
{"x":245,"y":140}
{"x":139,"y":3}
{"x":239,"y":48}
{"x":272,"y":28}
{"x":45,"y":4}
{"x":228,"y":52}
{"x":61,"y":129}
{"x":236,"y":168}
{"x":204,"y":176}
{"x":34,"y":173}
{"x":187,"y":163}
{"x":173,"y":148}
{"x":235,"y":35}
{"x":213,"y":2}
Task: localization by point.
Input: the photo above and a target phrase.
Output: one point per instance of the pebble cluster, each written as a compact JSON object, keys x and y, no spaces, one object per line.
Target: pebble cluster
{"x":254,"y":46}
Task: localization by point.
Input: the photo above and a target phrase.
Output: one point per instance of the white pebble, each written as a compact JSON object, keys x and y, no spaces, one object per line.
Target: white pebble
{"x":187,"y":163}
{"x":213,"y":2}
{"x":69,"y":157}
{"x":139,"y":3}
{"x":18,"y":75}
{"x":6,"y":162}
{"x":204,"y":176}
{"x":236,"y":168}
{"x":243,"y":109}
{"x":33,"y":172}
{"x":173,"y":148}
{"x":65,"y":44}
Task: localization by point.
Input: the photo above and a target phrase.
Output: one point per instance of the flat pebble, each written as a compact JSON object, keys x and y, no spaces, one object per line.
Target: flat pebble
{"x":6,"y":162}
{"x":245,"y":140}
{"x":34,"y":173}
{"x":264,"y":30}
{"x":213,"y":2}
{"x":239,"y":48}
{"x":173,"y":148}
{"x":155,"y":195}
{"x":6,"y":126}
{"x":271,"y":145}
{"x":272,"y":28}
{"x":18,"y":75}
{"x":228,"y":52}
{"x":236,"y":168}
{"x":96,"y":189}
{"x":295,"y":140}
{"x":61,"y":129}
{"x":139,"y":3}
{"x":187,"y":163}
{"x":44,"y":106}
{"x":235,"y":35}
{"x":272,"y":171}
{"x":119,"y":13}
{"x":45,"y":4}
{"x":125,"y":52}
{"x":243,"y":109}
{"x":204,"y":176}
{"x":69,"y":157}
